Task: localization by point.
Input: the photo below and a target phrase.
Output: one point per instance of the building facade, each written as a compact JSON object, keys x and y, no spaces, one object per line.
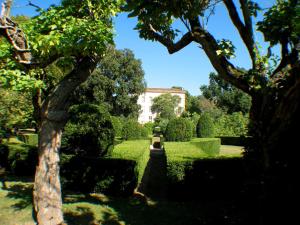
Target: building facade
{"x":145,"y":100}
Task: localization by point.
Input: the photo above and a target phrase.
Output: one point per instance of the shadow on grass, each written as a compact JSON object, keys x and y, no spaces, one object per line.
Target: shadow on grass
{"x":21,"y":192}
{"x":83,"y":215}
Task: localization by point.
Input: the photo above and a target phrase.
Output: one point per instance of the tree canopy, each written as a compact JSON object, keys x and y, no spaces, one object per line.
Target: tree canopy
{"x":117,"y":82}
{"x":226,"y":96}
{"x":165,"y":105}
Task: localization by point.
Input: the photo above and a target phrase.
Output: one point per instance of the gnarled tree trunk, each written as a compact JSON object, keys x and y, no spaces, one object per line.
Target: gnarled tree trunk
{"x":47,"y":188}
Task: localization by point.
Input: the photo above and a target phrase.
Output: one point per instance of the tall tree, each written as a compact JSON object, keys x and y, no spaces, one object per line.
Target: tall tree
{"x":117,"y":82}
{"x":275,"y":91}
{"x":76,"y":32}
{"x":226,"y":96}
{"x":165,"y":106}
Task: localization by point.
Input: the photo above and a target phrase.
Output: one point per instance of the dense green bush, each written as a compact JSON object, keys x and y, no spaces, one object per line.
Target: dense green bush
{"x":211,"y":146}
{"x":162,"y":124}
{"x":30,"y":139}
{"x":235,"y":124}
{"x":94,"y":175}
{"x":89,"y":130}
{"x":179,"y":129}
{"x":132,"y":130}
{"x":149,"y":126}
{"x":117,"y":123}
{"x":205,"y":126}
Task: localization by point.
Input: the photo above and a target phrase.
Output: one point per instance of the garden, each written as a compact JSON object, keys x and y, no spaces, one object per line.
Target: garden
{"x":73,"y":152}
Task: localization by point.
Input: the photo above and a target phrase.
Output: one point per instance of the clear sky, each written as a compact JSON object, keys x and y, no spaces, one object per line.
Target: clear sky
{"x":188,"y":68}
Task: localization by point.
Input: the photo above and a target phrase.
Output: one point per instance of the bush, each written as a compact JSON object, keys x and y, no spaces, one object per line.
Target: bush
{"x":117,"y":125}
{"x":235,"y":124}
{"x":30,"y":139}
{"x":132,"y":130}
{"x":205,"y":126}
{"x":179,"y":129}
{"x":149,"y":126}
{"x":89,"y":130}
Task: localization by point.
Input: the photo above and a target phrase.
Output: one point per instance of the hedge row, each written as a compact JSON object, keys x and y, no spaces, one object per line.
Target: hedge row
{"x":238,"y":141}
{"x":211,"y":146}
{"x":193,"y":174}
{"x":117,"y":175}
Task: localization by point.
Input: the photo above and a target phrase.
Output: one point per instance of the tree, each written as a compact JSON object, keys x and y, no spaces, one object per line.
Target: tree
{"x":117,"y":81}
{"x":75,"y":33}
{"x":226,"y":96}
{"x":274,"y":89}
{"x":165,"y":105}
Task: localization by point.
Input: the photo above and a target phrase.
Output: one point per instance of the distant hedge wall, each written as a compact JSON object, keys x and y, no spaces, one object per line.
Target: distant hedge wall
{"x":211,"y":146}
{"x":235,"y":140}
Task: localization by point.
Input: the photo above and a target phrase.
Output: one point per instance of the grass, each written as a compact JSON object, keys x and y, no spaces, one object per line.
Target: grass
{"x":16,"y":208}
{"x":187,"y":151}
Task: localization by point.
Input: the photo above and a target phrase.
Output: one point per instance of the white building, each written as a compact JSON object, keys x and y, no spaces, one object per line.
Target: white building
{"x":145,"y":100}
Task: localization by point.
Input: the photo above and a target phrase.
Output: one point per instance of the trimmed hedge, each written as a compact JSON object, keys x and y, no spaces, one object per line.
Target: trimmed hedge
{"x":211,"y":146}
{"x":205,"y":126}
{"x":29,"y":139}
{"x":238,"y":141}
{"x":194,"y":174}
{"x":179,"y":129}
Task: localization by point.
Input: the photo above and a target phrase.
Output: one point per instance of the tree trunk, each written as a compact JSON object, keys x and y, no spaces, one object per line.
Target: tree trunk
{"x":53,"y":114}
{"x":47,"y":188}
{"x":275,"y":130}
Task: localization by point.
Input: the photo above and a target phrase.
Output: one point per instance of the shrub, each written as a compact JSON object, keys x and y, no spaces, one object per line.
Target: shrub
{"x":149,"y":126}
{"x":235,"y":124}
{"x":211,"y":146}
{"x":89,"y":130}
{"x":205,"y":126}
{"x":238,"y":141}
{"x":179,"y":129}
{"x":117,"y":125}
{"x":30,"y":139}
{"x":131,"y":130}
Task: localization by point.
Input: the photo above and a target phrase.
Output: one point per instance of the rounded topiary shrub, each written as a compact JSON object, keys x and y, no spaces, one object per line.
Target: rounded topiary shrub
{"x":205,"y":126}
{"x":131,"y":130}
{"x":179,"y":129}
{"x":89,"y":130}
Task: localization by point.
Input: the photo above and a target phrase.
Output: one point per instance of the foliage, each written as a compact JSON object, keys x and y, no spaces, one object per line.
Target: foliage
{"x":134,"y":150}
{"x":29,"y":139}
{"x":226,"y":96}
{"x":211,"y":146}
{"x":164,"y":105}
{"x":89,"y":130}
{"x":15,"y":109}
{"x":117,"y":81}
{"x":205,"y":126}
{"x":117,"y":123}
{"x":162,"y":124}
{"x":179,"y":129}
{"x":279,"y":23}
{"x":132,"y":130}
{"x":235,"y":124}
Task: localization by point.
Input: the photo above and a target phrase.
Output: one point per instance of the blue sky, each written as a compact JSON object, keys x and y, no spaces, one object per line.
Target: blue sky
{"x":188,"y":68}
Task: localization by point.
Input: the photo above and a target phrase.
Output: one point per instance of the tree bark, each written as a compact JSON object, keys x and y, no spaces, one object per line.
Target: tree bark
{"x":47,"y":188}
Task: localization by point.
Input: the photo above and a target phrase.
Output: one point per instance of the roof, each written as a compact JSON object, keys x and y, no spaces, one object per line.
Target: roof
{"x":165,"y":90}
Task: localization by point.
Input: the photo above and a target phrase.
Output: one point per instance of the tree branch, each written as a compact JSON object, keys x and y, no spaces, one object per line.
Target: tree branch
{"x":245,"y":30}
{"x":172,"y":47}
{"x":54,"y":106}
{"x":226,"y":70}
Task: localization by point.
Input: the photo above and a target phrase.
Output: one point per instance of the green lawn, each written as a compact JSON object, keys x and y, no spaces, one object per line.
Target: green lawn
{"x":16,"y":208}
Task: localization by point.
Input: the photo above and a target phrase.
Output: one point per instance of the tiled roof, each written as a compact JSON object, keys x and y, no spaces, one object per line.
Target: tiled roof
{"x":165,"y":90}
